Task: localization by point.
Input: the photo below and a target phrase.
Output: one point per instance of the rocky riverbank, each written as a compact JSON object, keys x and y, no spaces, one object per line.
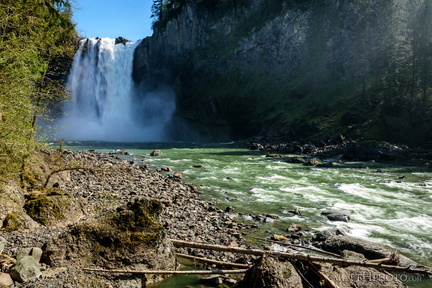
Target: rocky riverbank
{"x":93,"y":210}
{"x":96,"y":211}
{"x":343,"y":148}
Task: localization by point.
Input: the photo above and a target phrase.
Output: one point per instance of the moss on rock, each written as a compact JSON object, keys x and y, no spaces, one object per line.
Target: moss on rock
{"x":15,"y":221}
{"x":126,"y":230}
{"x":12,"y":216}
{"x":129,"y":236}
{"x":52,"y":207}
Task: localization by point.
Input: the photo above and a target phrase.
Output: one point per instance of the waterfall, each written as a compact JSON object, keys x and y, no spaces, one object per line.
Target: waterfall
{"x":105,"y":104}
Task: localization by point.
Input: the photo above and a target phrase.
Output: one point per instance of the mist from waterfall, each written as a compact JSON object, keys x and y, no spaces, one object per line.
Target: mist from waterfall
{"x":105,"y":104}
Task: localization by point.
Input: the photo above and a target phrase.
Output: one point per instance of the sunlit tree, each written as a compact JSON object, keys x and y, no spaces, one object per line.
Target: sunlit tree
{"x":34,"y":34}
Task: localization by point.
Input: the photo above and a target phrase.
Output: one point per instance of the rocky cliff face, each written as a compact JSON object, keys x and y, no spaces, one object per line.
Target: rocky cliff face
{"x":302,"y":66}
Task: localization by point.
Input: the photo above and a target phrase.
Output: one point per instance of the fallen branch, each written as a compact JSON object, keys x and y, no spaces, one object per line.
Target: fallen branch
{"x":6,"y":262}
{"x":67,"y":169}
{"x":301,"y":275}
{"x":392,"y":260}
{"x":114,"y":271}
{"x":321,"y":275}
{"x":212,"y":261}
{"x":299,"y":246}
{"x":301,"y":257}
{"x":7,"y":258}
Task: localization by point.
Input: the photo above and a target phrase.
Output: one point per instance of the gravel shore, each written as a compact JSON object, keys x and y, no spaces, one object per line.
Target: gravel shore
{"x":101,"y":184}
{"x":94,"y":200}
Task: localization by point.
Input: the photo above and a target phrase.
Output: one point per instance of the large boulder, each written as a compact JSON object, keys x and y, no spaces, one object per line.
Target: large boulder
{"x":268,"y":272}
{"x":156,"y":153}
{"x":374,"y":150}
{"x":18,"y":220}
{"x":340,"y":243}
{"x":336,"y":215}
{"x":27,"y":265}
{"x":313,"y":162}
{"x":12,"y":214}
{"x":11,"y":200}
{"x":121,"y":40}
{"x":26,"y":268}
{"x":53,"y":207}
{"x":129,"y":237}
{"x":357,"y":276}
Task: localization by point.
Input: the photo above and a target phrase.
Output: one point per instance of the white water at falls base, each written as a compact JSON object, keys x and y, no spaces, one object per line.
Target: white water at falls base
{"x":105,"y":104}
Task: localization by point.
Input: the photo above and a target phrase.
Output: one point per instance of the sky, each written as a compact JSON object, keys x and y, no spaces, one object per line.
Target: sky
{"x":113,"y":18}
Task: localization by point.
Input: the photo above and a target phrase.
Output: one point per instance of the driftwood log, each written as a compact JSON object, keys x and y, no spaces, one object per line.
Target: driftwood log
{"x":190,"y":272}
{"x":321,"y":275}
{"x":298,"y":246}
{"x":302,"y":257}
{"x":67,"y":169}
{"x":201,"y":259}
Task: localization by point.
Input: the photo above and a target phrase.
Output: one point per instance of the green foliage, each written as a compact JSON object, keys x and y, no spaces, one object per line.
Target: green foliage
{"x":14,"y":221}
{"x":36,"y":38}
{"x":164,"y":10}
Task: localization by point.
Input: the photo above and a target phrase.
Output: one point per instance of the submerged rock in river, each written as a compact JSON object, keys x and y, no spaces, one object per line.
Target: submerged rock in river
{"x":156,"y":153}
{"x":336,"y":215}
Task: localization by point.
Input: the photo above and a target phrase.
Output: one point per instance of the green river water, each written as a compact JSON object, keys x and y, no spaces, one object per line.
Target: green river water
{"x":389,"y":204}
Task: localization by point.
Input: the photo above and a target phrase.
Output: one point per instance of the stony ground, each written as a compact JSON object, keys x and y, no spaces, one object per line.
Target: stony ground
{"x":100,"y":184}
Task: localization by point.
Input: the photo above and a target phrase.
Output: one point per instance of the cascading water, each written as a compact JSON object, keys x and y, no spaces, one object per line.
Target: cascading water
{"x":106,"y":105}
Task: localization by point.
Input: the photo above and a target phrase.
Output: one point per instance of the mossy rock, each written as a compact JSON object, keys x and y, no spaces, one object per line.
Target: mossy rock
{"x":12,"y":192}
{"x":128,"y":227}
{"x":13,"y":221}
{"x":313,"y":162}
{"x":11,"y":201}
{"x":138,"y":216}
{"x":17,"y":220}
{"x":129,"y":237}
{"x":52,"y":207}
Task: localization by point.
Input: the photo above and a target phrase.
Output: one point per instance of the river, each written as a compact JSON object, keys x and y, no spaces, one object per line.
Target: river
{"x":388,"y":204}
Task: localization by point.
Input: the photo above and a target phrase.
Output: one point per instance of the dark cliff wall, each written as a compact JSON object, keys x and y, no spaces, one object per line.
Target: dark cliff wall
{"x":301,"y":67}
